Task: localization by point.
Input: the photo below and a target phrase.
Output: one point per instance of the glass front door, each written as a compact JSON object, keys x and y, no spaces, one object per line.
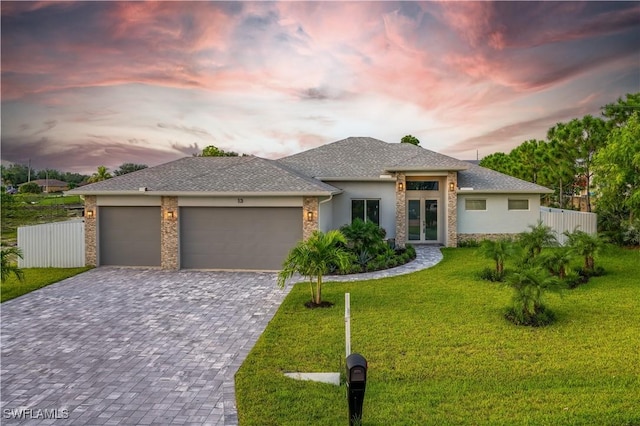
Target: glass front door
{"x":422,"y":220}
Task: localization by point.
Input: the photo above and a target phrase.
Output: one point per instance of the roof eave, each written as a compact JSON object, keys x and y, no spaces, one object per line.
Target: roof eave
{"x":425,"y":169}
{"x":355,"y":179}
{"x":318,"y":193}
{"x":504,"y":191}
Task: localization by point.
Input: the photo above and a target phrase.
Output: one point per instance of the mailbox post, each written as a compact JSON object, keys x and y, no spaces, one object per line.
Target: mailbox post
{"x":356,"y":383}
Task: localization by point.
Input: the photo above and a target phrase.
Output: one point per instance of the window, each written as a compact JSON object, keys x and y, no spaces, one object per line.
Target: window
{"x":475,"y":204}
{"x":366,"y":210}
{"x":518,"y":204}
{"x":422,"y":185}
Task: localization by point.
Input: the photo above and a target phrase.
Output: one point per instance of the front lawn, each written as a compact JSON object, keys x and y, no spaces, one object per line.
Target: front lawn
{"x":35,"y":278}
{"x":440,"y":352}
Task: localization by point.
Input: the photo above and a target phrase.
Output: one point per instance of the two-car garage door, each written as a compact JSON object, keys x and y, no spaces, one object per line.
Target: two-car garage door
{"x":210,"y":237}
{"x":238,"y":238}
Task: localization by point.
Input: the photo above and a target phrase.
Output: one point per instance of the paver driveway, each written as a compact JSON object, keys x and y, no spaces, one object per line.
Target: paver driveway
{"x":131,"y":346}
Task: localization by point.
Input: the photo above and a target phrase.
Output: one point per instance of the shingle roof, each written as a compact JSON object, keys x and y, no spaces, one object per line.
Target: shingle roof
{"x":362,"y":157}
{"x":486,"y":180}
{"x":213,"y":175}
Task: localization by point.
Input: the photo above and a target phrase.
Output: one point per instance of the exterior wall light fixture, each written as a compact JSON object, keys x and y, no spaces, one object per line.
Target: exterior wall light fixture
{"x":171,"y":214}
{"x":400,"y":186}
{"x":89,"y":213}
{"x":452,"y":186}
{"x":309,"y":216}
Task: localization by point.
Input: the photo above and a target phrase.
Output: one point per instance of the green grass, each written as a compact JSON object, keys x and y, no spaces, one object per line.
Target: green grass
{"x":441,"y":353}
{"x":35,"y":278}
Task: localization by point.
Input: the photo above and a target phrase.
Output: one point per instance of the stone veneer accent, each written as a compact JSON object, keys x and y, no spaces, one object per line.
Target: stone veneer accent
{"x":169,"y":242}
{"x":479,"y":237}
{"x":91,"y":231}
{"x":309,"y":204}
{"x":452,"y":210}
{"x":401,"y":211}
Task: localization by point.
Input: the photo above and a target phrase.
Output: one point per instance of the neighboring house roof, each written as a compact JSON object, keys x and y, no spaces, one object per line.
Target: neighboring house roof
{"x":49,"y":182}
{"x":480,"y":179}
{"x":368,"y":158}
{"x":212,"y":176}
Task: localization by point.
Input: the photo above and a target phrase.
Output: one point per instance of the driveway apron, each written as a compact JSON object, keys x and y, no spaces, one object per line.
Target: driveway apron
{"x":132,"y":346}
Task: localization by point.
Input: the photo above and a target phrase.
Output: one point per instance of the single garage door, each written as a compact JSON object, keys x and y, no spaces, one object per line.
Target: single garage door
{"x":238,"y":238}
{"x":129,"y":236}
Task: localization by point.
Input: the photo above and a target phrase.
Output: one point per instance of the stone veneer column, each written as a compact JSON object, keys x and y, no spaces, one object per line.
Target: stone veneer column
{"x":169,"y":242}
{"x":309,"y":204}
{"x":401,"y":211}
{"x":452,"y":208}
{"x":90,"y":231}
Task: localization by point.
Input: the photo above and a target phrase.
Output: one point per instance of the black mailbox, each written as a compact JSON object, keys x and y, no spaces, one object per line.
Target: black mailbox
{"x":356,"y":383}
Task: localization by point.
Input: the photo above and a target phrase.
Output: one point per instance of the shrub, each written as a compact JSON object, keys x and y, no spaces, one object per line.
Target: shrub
{"x":541,"y":318}
{"x":362,"y":235}
{"x":30,"y":188}
{"x":469,"y":243}
{"x":489,"y":274}
{"x":533,"y":241}
{"x":574,"y":279}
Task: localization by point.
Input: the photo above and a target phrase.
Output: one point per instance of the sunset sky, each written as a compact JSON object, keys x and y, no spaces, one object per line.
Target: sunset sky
{"x":103,"y":83}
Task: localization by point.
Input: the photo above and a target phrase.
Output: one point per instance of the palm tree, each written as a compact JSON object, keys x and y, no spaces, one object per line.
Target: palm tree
{"x":557,"y":261}
{"x":540,"y":236}
{"x":7,"y":266}
{"x":314,"y":258}
{"x":499,"y":251}
{"x":529,"y":285}
{"x":100,"y":175}
{"x":585,"y":245}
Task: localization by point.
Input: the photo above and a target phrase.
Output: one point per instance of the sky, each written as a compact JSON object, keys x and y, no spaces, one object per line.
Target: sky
{"x":104,"y":83}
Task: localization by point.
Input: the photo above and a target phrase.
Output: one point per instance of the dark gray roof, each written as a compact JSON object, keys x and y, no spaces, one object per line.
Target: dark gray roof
{"x":486,"y":180}
{"x":222,"y":175}
{"x":362,"y":157}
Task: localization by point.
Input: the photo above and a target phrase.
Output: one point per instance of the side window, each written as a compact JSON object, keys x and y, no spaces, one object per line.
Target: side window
{"x":470,"y":204}
{"x":515,"y":204}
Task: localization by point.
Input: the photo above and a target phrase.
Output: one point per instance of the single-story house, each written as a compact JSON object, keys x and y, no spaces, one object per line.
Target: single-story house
{"x":50,"y":185}
{"x":248,"y":212}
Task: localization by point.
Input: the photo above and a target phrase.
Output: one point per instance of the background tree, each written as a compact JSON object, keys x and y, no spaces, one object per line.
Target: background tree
{"x":213,"y":151}
{"x":129,"y":168}
{"x":617,"y":167}
{"x":586,"y":136}
{"x":410,"y":139}
{"x":100,"y":175}
{"x":500,"y":162}
{"x":16,"y":174}
{"x":618,"y":113}
{"x":30,"y":188}
{"x":48,"y":174}
{"x":314,"y":258}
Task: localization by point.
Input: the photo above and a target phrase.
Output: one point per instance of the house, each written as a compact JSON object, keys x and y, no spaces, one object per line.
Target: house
{"x":51,"y":185}
{"x":247,"y":212}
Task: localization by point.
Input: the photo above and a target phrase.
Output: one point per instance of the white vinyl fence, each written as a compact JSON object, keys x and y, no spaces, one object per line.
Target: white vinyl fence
{"x":52,"y":245}
{"x":561,"y":220}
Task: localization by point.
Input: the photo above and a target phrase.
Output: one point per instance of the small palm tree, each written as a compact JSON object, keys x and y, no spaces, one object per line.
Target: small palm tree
{"x":557,"y":261}
{"x":314,"y":258}
{"x":529,"y":285}
{"x":498,"y":251}
{"x":585,"y":245}
{"x":8,"y":267}
{"x":540,"y":236}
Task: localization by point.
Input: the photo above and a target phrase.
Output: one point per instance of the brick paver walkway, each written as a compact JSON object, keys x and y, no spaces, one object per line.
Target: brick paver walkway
{"x":124,"y":346}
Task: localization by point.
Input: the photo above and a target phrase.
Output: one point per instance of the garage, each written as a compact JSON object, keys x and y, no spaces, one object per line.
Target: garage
{"x":256,"y":238}
{"x":129,"y":236}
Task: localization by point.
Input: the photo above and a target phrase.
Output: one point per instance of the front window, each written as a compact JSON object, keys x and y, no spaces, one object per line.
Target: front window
{"x":470,"y":204}
{"x":366,"y":210}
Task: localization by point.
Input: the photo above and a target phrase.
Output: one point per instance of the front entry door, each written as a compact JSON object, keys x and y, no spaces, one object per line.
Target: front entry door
{"x":422,"y":220}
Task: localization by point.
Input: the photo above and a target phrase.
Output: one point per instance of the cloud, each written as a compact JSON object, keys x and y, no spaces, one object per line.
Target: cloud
{"x":195,"y":131}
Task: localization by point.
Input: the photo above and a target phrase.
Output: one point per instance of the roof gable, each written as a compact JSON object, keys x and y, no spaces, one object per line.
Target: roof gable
{"x":363,"y":157}
{"x":214,"y":175}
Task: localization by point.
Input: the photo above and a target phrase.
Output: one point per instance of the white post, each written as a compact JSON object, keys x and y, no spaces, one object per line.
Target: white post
{"x":347,"y":322}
